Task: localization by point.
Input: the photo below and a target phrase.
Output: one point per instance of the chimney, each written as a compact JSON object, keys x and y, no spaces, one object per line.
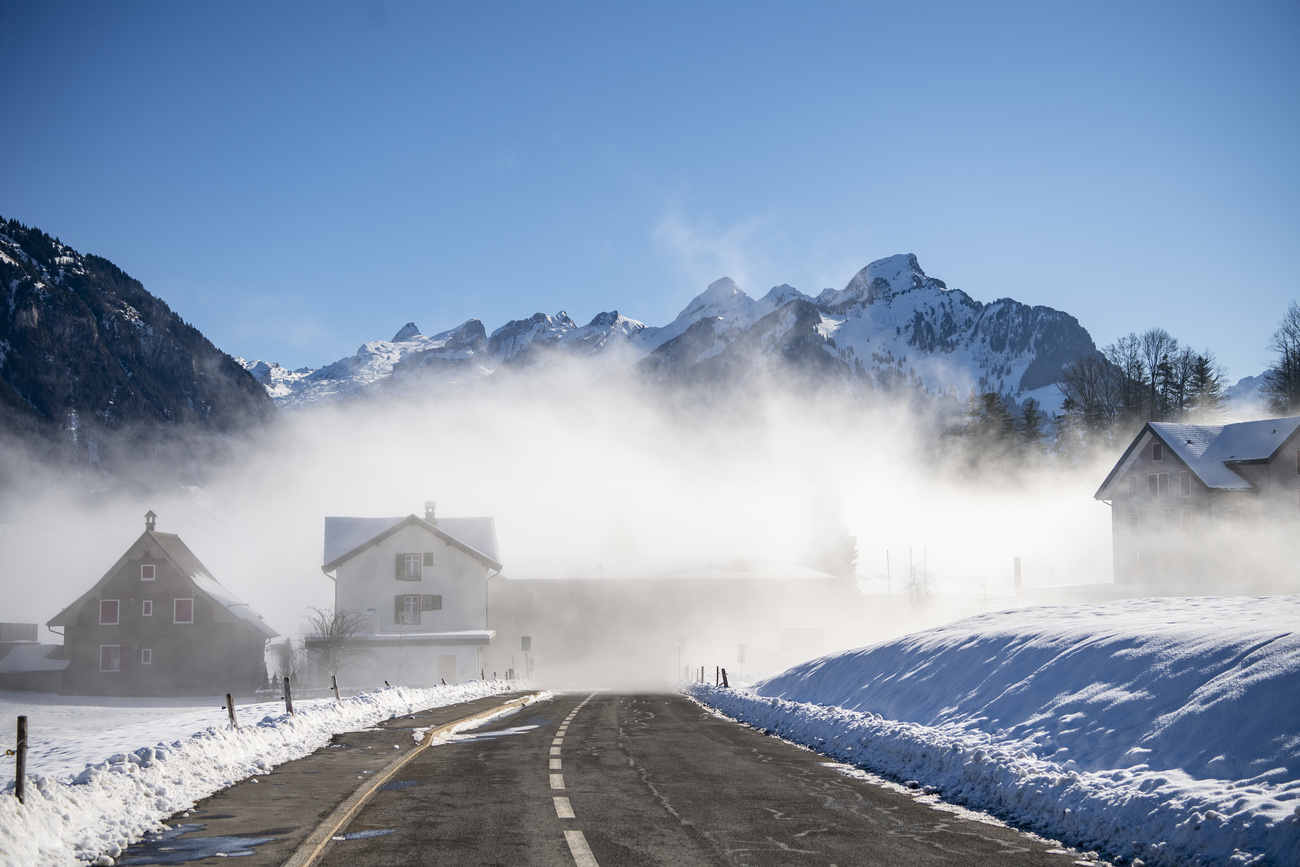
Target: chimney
{"x":430,"y":510}
{"x":149,"y":519}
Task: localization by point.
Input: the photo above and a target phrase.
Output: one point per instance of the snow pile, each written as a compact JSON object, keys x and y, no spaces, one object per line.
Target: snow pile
{"x":1159,"y":730}
{"x":92,"y":814}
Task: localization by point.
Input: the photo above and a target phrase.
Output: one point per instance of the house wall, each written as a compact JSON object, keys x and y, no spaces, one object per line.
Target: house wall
{"x":206,"y":657}
{"x":413,"y":664}
{"x":1225,"y":536}
{"x":368,"y":583}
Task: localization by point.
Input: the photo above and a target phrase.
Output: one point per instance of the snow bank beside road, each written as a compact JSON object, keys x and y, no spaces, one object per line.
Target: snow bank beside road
{"x":1166,"y":730}
{"x":95,"y":813}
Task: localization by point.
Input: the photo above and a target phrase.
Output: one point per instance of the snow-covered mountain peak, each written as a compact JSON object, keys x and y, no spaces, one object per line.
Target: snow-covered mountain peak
{"x":723,"y":298}
{"x":881,"y":280}
{"x":406,"y":332}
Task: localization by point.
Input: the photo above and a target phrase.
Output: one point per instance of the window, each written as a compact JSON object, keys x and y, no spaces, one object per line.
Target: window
{"x":430,"y":603}
{"x":1157,"y":483}
{"x":108,"y":610}
{"x":146,"y":656}
{"x":407,"y":610}
{"x":1157,"y":452}
{"x":1185,"y":484}
{"x":408,"y":567}
{"x":183,"y":611}
{"x":1186,"y":517}
{"x":146,"y":608}
{"x":110,"y":657}
{"x":147,"y":572}
{"x":1132,"y":486}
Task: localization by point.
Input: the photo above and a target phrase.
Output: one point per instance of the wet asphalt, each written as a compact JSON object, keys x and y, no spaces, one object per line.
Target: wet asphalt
{"x":586,"y":779}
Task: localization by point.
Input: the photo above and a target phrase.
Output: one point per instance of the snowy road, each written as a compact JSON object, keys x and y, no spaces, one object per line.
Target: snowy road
{"x":651,"y":779}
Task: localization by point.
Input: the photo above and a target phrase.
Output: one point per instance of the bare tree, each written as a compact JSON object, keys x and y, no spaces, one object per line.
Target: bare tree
{"x":1282,"y":383}
{"x":333,"y":640}
{"x":288,"y":659}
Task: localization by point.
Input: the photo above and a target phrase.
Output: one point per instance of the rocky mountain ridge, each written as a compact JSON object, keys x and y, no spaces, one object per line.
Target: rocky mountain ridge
{"x":91,"y":364}
{"x":891,"y":327}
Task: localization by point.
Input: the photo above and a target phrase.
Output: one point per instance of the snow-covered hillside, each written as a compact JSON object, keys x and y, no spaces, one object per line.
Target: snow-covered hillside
{"x":1159,"y":730}
{"x":892,"y":327}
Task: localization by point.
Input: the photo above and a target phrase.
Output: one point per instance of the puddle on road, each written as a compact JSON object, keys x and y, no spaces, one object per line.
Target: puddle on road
{"x":471,"y":737}
{"x":398,"y":784}
{"x":361,"y":835}
{"x":172,"y":847}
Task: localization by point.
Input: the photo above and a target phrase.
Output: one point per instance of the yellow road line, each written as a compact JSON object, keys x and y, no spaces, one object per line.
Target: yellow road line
{"x":311,"y":848}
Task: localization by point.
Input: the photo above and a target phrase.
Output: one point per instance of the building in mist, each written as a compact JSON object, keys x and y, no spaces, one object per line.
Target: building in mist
{"x":1208,"y":504}
{"x":159,"y":623}
{"x":648,"y":621}
{"x":421,"y":585}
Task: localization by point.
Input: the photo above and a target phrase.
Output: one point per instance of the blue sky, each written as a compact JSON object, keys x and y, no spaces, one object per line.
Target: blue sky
{"x":295,"y":179}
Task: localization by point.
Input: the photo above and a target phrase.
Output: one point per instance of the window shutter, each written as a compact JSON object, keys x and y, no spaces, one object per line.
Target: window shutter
{"x":437,"y":603}
{"x":399,"y":608}
{"x":401,"y":567}
{"x":428,"y":558}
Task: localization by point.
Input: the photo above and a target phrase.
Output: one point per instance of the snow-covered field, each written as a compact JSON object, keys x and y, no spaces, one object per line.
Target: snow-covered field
{"x":103,"y":772}
{"x":1160,"y":731}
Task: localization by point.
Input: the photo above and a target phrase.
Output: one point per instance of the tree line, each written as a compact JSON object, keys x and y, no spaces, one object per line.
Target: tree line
{"x":1152,"y":377}
{"x":1111,"y":393}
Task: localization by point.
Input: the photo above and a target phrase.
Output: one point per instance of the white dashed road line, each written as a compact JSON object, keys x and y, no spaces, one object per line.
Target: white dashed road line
{"x":578,"y":847}
{"x":581,"y":851}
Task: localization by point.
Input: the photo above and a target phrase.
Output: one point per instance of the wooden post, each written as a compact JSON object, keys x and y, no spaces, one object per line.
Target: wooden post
{"x":387,"y":684}
{"x":334,"y":685}
{"x":230,"y":706}
{"x":725,"y":685}
{"x":20,"y":756}
{"x":717,"y":675}
{"x":288,"y":696}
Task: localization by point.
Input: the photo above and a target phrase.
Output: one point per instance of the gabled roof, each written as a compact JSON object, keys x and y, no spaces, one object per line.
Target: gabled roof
{"x":184,"y":561}
{"x":345,"y":538}
{"x":1211,"y":451}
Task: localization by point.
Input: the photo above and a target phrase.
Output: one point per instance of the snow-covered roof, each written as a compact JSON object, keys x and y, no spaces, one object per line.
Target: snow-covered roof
{"x":1211,"y":450}
{"x":346,"y":537}
{"x":31,"y":657}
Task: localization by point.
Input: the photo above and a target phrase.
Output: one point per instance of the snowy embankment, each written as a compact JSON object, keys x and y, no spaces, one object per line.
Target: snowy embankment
{"x":1165,"y":731}
{"x":90,"y":815}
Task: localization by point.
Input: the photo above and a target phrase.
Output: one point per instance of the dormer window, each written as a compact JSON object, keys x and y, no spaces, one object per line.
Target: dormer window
{"x":147,"y":572}
{"x":1157,"y":452}
{"x":108,"y":612}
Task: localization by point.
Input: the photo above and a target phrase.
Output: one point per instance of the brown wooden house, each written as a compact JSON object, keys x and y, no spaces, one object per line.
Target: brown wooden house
{"x":158,"y":623}
{"x":1208,"y":504}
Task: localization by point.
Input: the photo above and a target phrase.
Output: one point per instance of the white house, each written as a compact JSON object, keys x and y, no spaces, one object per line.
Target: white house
{"x":421,"y":582}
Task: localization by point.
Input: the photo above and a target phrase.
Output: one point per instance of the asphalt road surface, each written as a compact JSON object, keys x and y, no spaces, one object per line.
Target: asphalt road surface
{"x":611,"y":780}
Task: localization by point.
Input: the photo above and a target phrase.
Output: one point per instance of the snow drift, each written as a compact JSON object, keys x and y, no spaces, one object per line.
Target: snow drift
{"x":92,"y":815}
{"x":1159,"y":730}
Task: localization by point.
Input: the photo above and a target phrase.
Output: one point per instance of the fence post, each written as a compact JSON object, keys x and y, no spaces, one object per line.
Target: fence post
{"x":20,"y":754}
{"x":725,"y":685}
{"x":334,"y":685}
{"x":717,"y":675}
{"x":230,"y":706}
{"x":288,"y":696}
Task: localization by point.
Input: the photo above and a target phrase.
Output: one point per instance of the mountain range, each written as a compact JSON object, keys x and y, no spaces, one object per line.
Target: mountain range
{"x":891,"y":327}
